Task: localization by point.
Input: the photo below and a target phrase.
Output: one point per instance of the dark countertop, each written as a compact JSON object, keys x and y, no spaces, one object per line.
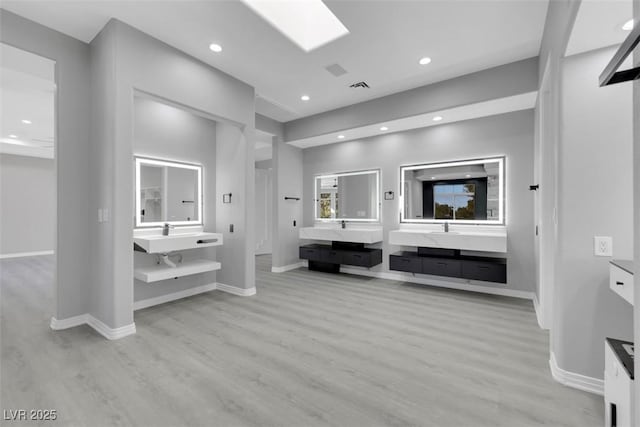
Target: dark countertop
{"x":623,"y":357}
{"x":625,"y":264}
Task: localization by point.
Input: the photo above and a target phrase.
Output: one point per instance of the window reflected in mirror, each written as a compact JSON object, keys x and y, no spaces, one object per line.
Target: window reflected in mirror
{"x":350,"y":196}
{"x":468,"y":191}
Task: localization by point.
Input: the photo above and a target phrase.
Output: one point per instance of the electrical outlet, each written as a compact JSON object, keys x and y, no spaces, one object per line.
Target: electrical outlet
{"x":602,"y":246}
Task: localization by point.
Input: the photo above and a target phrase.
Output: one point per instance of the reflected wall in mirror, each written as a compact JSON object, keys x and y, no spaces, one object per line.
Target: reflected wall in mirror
{"x":348,"y":196}
{"x":167,"y":192}
{"x":469,"y":191}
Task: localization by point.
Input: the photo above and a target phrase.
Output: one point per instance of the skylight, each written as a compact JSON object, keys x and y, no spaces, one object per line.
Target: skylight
{"x":308,"y":23}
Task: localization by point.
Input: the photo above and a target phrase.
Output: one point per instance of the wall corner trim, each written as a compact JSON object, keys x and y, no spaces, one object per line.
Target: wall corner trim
{"x":539,"y":314}
{"x":98,"y":325}
{"x":289,"y":267}
{"x":574,"y":380}
{"x":235,"y":290}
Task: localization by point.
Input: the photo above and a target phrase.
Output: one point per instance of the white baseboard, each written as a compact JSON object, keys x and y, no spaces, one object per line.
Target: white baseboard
{"x":138,"y":305}
{"x":25,"y":254}
{"x":471,"y":286}
{"x":99,"y":326}
{"x":69,"y":322}
{"x":288,"y":267}
{"x":578,"y":381}
{"x":111,"y":333}
{"x":235,"y":290}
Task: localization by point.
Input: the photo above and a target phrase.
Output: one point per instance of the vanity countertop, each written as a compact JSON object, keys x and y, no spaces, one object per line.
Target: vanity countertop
{"x":625,"y":264}
{"x":483,"y":239}
{"x":619,"y":348}
{"x":356,"y":234}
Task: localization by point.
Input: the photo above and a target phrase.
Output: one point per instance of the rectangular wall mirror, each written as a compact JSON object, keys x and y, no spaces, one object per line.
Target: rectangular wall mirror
{"x":167,"y":192}
{"x":348,"y":196}
{"x":469,"y":191}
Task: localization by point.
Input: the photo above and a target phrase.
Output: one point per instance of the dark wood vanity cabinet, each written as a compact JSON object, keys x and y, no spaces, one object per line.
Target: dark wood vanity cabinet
{"x":330,"y":257}
{"x":450,"y":264}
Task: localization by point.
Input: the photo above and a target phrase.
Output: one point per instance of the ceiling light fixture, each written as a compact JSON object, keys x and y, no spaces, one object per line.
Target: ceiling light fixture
{"x":215,"y":47}
{"x":305,"y":97}
{"x":437,"y":118}
{"x":13,"y":136}
{"x":628,"y":26}
{"x":383,"y":128}
{"x":424,"y":61}
{"x":308,"y":23}
{"x":468,"y":176}
{"x":340,"y":136}
{"x":26,"y":122}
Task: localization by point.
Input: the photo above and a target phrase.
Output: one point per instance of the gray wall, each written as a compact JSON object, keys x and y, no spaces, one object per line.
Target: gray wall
{"x":28,"y":200}
{"x":166,"y":132}
{"x":72,"y":154}
{"x":636,"y":207}
{"x":510,"y":135}
{"x":505,"y":80}
{"x":128,"y":60}
{"x":596,"y":186}
{"x":287,"y":169}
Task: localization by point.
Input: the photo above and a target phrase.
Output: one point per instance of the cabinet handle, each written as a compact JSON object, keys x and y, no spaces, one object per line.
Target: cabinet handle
{"x":483,"y":268}
{"x":442,"y":263}
{"x":405,"y":260}
{"x":357,"y":256}
{"x":619,"y":283}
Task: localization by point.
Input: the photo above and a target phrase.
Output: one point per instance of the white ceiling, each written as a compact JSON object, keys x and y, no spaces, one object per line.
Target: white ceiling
{"x":599,"y":24}
{"x":386,"y":40}
{"x":27,"y":90}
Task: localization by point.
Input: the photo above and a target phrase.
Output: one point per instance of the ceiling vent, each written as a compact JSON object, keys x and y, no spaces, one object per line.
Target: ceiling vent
{"x":363,"y":85}
{"x":336,"y":70}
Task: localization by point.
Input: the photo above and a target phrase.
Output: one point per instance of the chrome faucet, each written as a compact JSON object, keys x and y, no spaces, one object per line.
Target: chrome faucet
{"x":344,"y":224}
{"x":446,"y":227}
{"x":165,"y":229}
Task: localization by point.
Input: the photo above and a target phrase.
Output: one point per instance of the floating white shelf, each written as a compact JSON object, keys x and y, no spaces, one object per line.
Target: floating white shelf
{"x":157,"y":243}
{"x":163,"y":272}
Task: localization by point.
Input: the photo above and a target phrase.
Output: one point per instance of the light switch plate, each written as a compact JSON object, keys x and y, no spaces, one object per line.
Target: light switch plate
{"x":602,"y":246}
{"x":100,"y":215}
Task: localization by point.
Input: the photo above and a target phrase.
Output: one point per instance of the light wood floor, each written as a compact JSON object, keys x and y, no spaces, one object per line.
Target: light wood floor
{"x":310,"y":349}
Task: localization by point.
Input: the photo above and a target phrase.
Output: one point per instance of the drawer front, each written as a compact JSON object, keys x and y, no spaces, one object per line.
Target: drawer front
{"x":442,"y":267}
{"x":621,"y":282}
{"x":312,"y":254}
{"x":402,"y":263}
{"x":361,"y":259}
{"x":618,"y":388}
{"x":331,"y":256}
{"x":486,"y":271}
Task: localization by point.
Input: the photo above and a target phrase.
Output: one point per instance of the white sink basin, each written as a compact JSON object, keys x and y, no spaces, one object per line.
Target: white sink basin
{"x":154,"y":244}
{"x":336,"y":234}
{"x":480,"y":240}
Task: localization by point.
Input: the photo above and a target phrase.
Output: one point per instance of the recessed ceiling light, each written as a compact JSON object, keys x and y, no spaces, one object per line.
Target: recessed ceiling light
{"x":340,"y":136}
{"x":309,"y":23}
{"x":305,"y":97}
{"x":433,"y":177}
{"x":13,"y":136}
{"x":628,"y":26}
{"x":468,"y":176}
{"x":424,"y":61}
{"x":437,"y":118}
{"x":215,"y":47}
{"x":26,"y":122}
{"x":383,"y":128}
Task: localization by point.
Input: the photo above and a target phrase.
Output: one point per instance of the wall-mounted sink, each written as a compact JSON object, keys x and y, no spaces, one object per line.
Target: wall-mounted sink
{"x":486,"y":240}
{"x":177,"y":242}
{"x":354,"y":234}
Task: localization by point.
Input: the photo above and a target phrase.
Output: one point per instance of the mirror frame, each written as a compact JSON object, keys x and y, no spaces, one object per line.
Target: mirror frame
{"x":501,"y":191}
{"x":139,"y":161}
{"x":316,"y":198}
